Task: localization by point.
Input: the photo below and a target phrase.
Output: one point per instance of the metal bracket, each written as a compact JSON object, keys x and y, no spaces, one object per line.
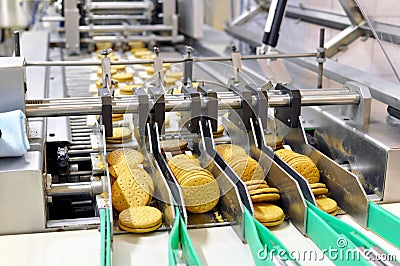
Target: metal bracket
{"x":236,"y":63}
{"x":188,"y":66}
{"x":211,"y":110}
{"x":158,"y":110}
{"x":106,"y":70}
{"x":142,"y":115}
{"x":360,"y":113}
{"x":246,"y":112}
{"x":261,"y":106}
{"x":158,"y":67}
{"x":289,"y":115}
{"x":106,"y":114}
{"x":195,"y":108}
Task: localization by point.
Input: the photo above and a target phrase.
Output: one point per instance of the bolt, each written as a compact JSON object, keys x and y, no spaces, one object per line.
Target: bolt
{"x":234,"y":48}
{"x":156,"y":50}
{"x":52,"y":134}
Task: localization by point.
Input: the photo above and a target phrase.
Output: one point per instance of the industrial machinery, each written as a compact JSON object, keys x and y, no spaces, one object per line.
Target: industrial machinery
{"x":69,"y":93}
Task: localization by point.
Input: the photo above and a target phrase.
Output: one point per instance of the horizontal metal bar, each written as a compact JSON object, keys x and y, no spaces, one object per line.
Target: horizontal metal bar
{"x":125,"y":28}
{"x":72,"y":106}
{"x":165,"y":60}
{"x":94,"y":187}
{"x":118,"y":17}
{"x":78,"y":159}
{"x":107,"y":6}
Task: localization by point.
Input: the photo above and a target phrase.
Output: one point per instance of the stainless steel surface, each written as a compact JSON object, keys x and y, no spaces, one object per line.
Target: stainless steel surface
{"x":71,"y":24}
{"x":344,"y":187}
{"x":112,"y":6}
{"x":22,"y":176}
{"x":58,"y":130}
{"x":12,"y":85}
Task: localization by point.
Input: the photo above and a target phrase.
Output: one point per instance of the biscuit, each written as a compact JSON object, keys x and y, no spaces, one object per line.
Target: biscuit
{"x":173,"y":145}
{"x":327,"y":205}
{"x":199,"y":188}
{"x":219,"y":132}
{"x":140,"y":217}
{"x":139,"y":53}
{"x":268,"y":214}
{"x":264,"y":195}
{"x":136,"y":44}
{"x":126,"y":192}
{"x":301,"y":163}
{"x":255,"y":182}
{"x":123,"y":77}
{"x":318,"y":189}
{"x":174,"y":74}
{"x":254,"y":187}
{"x":118,"y":67}
{"x":139,"y":230}
{"x":169,"y":81}
{"x":103,"y":45}
{"x":116,"y":156}
{"x":120,"y":133}
{"x":274,"y":141}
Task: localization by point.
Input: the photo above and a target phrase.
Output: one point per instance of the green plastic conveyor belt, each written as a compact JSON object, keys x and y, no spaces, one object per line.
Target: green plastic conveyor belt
{"x":265,"y":247}
{"x":384,"y":223}
{"x":339,"y":241}
{"x":180,"y":247}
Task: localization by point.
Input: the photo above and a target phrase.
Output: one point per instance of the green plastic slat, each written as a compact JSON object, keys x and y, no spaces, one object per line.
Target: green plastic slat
{"x":179,"y":237}
{"x":262,"y":242}
{"x":102,"y":237}
{"x":108,"y":238}
{"x":338,"y":240}
{"x":384,"y":223}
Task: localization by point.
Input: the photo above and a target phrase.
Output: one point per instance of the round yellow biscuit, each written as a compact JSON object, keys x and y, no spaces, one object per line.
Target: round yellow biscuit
{"x":139,"y":230}
{"x":103,"y":45}
{"x":174,"y":74}
{"x":116,"y":156}
{"x":267,"y":212}
{"x":326,"y":204}
{"x":120,"y":133}
{"x":140,"y":217}
{"x":136,"y":44}
{"x":275,"y":223}
{"x":123,"y":77}
{"x":118,"y":67}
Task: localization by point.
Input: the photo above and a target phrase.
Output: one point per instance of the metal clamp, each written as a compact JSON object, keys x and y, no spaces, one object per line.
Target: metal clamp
{"x":141,"y":117}
{"x":236,"y":63}
{"x":211,"y":109}
{"x":158,"y":110}
{"x":158,"y":67}
{"x":188,"y":66}
{"x":360,"y":113}
{"x":261,"y":106}
{"x":289,"y":115}
{"x":246,"y":112}
{"x":195,"y":108}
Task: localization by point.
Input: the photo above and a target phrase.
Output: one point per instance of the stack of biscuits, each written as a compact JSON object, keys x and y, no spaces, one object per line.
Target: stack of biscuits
{"x":199,"y":187}
{"x":140,"y":219}
{"x":120,"y":135}
{"x":307,"y":168}
{"x":132,"y":186}
{"x":245,"y":167}
{"x":260,"y":192}
{"x":174,"y":146}
{"x":219,"y":132}
{"x":274,"y":141}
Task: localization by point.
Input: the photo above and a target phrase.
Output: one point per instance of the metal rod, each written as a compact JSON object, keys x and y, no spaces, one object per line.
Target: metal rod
{"x":78,"y":159}
{"x":76,"y":173}
{"x":166,"y":60}
{"x":107,"y":6}
{"x":125,"y":28}
{"x":72,"y":107}
{"x":17,"y":46}
{"x":93,"y":187}
{"x":321,"y":57}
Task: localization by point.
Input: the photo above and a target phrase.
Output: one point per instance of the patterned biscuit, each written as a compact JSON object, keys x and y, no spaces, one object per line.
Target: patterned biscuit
{"x":139,"y":230}
{"x":264,"y":191}
{"x":140,"y":176}
{"x":121,"y":133}
{"x":266,"y":213}
{"x":327,"y":204}
{"x":125,"y":154}
{"x":140,"y":217}
{"x":273,"y":140}
{"x":255,"y":182}
{"x":126,"y":192}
